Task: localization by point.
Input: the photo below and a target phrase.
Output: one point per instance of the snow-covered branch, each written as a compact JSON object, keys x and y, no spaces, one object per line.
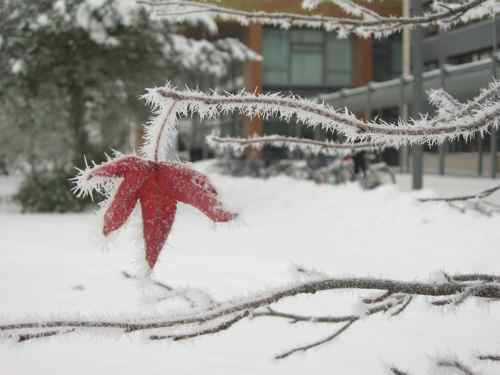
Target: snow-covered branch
{"x":308,"y":146}
{"x":364,"y":22}
{"x":478,"y":115}
{"x":219,"y":316}
{"x":210,"y":58}
{"x":349,"y":7}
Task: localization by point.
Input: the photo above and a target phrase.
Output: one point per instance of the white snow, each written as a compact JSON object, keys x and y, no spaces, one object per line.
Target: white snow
{"x":55,"y":266}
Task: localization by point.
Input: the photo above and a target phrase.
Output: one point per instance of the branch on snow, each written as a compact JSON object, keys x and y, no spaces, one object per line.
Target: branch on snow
{"x":480,"y":195}
{"x":475,"y":202}
{"x":210,"y":319}
{"x":368,"y":23}
{"x":489,"y":357}
{"x":455,"y":365}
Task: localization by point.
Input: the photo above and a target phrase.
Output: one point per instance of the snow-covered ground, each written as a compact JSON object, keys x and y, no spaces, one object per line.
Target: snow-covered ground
{"x":57,"y":266}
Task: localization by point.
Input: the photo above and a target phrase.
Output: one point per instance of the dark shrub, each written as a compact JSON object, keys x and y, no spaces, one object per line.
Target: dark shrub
{"x":49,"y":192}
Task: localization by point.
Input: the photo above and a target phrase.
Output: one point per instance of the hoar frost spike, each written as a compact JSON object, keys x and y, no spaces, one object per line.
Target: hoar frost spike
{"x":158,"y":186}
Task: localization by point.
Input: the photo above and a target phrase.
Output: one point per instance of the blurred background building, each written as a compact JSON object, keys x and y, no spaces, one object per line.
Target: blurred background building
{"x":366,"y":76}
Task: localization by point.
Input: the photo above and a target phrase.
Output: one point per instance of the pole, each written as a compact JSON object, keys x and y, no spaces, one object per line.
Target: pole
{"x":443,"y":148}
{"x":418,"y":95}
{"x":406,"y":71}
{"x":493,"y":137}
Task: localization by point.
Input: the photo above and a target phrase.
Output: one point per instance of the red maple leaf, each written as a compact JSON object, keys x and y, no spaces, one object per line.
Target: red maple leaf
{"x":158,"y":186}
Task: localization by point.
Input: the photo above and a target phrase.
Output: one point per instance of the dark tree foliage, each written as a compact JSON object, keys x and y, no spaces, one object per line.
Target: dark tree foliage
{"x":71,"y":74}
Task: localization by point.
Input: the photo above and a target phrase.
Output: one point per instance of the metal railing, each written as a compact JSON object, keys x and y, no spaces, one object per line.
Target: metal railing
{"x":462,"y":81}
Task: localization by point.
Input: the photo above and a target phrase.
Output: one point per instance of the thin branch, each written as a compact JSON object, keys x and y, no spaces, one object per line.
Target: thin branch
{"x":217,"y":328}
{"x":370,"y":24}
{"x":316,"y":343}
{"x":295,"y":318}
{"x":128,"y":275}
{"x":468,"y":292}
{"x":379,"y":298}
{"x":489,"y":357}
{"x":397,"y":371}
{"x":180,"y":293}
{"x":404,"y":305}
{"x":23,"y":337}
{"x":475,"y":277}
{"x":480,"y":195}
{"x":304,"y":144}
{"x":456,"y":365}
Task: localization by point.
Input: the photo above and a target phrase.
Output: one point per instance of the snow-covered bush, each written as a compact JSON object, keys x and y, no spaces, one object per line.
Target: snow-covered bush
{"x":49,"y":191}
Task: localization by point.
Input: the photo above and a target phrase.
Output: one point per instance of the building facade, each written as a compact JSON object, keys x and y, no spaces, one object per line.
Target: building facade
{"x":365,"y":75}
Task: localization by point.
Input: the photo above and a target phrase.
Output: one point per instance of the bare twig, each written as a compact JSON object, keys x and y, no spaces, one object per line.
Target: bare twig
{"x":295,"y":318}
{"x":182,"y":293}
{"x":397,"y":371}
{"x":196,"y":333}
{"x":456,"y":365}
{"x":23,"y":337}
{"x":468,"y":292}
{"x":475,"y":202}
{"x":489,"y":357}
{"x":480,"y":195}
{"x":403,"y":306}
{"x":316,"y":343}
{"x":379,"y":298}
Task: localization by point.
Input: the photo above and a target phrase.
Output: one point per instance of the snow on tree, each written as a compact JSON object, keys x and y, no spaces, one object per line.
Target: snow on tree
{"x":71,"y":67}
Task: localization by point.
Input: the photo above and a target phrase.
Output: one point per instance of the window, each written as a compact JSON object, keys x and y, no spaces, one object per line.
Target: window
{"x":275,"y":50}
{"x":387,"y":58}
{"x":306,"y":58}
{"x":339,"y":57}
{"x":470,"y":57}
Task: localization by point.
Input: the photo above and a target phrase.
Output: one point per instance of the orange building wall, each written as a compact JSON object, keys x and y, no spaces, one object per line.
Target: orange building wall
{"x":362,"y":48}
{"x":253,"y":74}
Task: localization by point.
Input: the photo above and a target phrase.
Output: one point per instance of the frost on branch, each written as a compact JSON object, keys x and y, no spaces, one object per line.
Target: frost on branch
{"x":211,"y":58}
{"x":476,"y":116}
{"x":364,"y":22}
{"x":393,"y":298}
{"x":307,"y":146}
{"x":349,"y":7}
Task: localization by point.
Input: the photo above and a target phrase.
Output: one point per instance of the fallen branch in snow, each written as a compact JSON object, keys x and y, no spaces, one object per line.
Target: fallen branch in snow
{"x":368,"y":24}
{"x":480,"y":195}
{"x":475,"y":202}
{"x":210,"y":319}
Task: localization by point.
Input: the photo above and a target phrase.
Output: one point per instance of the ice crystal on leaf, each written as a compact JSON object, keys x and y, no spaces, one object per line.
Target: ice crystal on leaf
{"x":158,"y":187}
